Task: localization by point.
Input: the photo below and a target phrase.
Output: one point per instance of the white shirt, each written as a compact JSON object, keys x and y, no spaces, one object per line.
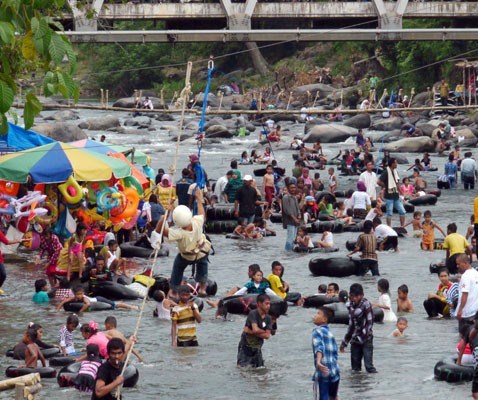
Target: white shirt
{"x":219,"y":188}
{"x":329,"y":238}
{"x":388,"y":315}
{"x":469,"y":284}
{"x":270,"y":124}
{"x":360,"y":200}
{"x":370,"y":180}
{"x":371,"y":215}
{"x":382,"y":231}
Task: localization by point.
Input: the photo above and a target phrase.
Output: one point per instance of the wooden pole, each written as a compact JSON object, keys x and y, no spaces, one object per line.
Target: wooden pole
{"x":102,"y":99}
{"x":290,"y":99}
{"x":107,"y":97}
{"x":29,"y":379}
{"x":221,"y":96}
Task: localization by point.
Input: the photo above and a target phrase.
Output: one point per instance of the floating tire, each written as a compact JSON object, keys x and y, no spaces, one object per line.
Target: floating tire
{"x":220,"y":226}
{"x":211,"y":287}
{"x":357,"y":227}
{"x":341,"y":313}
{"x":276,"y":218}
{"x":61,"y":361}
{"x":317,"y":250}
{"x":66,"y":376}
{"x":318,"y":300}
{"x":447,"y":370}
{"x":96,"y":306}
{"x":45,"y":372}
{"x":262,"y":171}
{"x":427,"y":200}
{"x":436,"y":192}
{"x":47,"y":353}
{"x":129,"y":249}
{"x":331,"y":226}
{"x":113,"y":291}
{"x":242,"y":305}
{"x":198,"y":301}
{"x":436,"y":267}
{"x":220,"y":213}
{"x":237,"y":237}
{"x":337,"y":267}
{"x":443,"y":185}
{"x":160,"y":283}
{"x":330,"y":196}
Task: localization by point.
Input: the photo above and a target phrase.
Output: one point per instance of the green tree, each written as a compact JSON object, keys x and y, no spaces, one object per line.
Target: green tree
{"x":30,"y":41}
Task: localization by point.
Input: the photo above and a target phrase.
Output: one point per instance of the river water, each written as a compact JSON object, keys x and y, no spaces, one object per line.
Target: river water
{"x":405,"y":365}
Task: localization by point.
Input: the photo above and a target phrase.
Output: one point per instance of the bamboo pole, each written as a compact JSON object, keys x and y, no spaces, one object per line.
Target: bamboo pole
{"x":107,"y":97}
{"x":29,"y":379}
{"x":290,"y":99}
{"x":221,"y":96}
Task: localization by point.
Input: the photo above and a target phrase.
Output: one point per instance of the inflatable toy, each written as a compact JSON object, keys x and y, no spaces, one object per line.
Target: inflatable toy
{"x":71,"y":191}
{"x":9,"y":188}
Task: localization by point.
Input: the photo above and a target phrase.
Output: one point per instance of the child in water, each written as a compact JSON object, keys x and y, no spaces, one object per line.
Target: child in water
{"x":41,"y":289}
{"x":327,"y":239}
{"x":429,"y":226}
{"x":416,"y":224}
{"x":67,"y":345}
{"x":404,"y":304}
{"x":85,"y":380}
{"x":341,"y":216}
{"x":32,"y":351}
{"x":258,"y":285}
{"x":164,"y":305}
{"x":384,"y":301}
{"x":332,"y":181}
{"x":402,"y":324}
{"x":303,"y":242}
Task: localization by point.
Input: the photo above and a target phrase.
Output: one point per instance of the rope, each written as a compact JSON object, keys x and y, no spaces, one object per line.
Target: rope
{"x":185,"y":93}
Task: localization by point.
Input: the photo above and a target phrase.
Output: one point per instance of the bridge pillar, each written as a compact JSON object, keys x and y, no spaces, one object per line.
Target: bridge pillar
{"x":85,"y":17}
{"x":390,"y":19}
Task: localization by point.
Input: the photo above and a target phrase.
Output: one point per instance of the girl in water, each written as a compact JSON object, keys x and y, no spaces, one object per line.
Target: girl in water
{"x":384,"y":301}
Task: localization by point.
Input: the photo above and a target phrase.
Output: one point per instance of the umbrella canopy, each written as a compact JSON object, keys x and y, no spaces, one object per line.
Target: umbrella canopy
{"x":105,"y":148}
{"x":56,"y":162}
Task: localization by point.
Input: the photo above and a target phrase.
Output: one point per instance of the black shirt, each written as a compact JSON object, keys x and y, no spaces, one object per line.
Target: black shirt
{"x":108,"y":374}
{"x":387,"y":195}
{"x":246,"y":196}
{"x":265,"y":324}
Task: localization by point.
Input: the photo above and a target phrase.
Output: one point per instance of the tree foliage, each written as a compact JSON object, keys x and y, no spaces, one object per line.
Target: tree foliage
{"x":31,"y":41}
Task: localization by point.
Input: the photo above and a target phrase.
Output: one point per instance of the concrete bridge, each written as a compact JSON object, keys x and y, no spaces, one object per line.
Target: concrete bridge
{"x":227,"y":21}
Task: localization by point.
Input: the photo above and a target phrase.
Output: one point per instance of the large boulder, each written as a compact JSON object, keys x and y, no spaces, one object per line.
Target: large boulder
{"x":466,"y":137}
{"x":331,"y":133}
{"x":387,"y":124}
{"x":63,"y":115}
{"x":100,"y":123}
{"x":212,"y":100}
{"x":411,"y":145}
{"x":304,"y":94}
{"x":129,"y":102}
{"x":141,"y":121}
{"x":164,"y":117}
{"x":359,"y":121}
{"x":213,"y":121}
{"x":428,"y":127}
{"x":421,"y":99}
{"x":218,"y":131}
{"x":61,"y":131}
{"x":239,"y":106}
{"x":283,"y":117}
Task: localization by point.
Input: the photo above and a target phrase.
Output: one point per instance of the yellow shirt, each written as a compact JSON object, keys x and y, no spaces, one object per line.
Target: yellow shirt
{"x":186,"y":322}
{"x":475,"y":209}
{"x":455,"y":243}
{"x":276,"y":284}
{"x":191,"y":244}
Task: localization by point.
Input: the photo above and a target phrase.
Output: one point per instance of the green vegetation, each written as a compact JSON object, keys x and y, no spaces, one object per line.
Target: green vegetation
{"x":29,"y":44}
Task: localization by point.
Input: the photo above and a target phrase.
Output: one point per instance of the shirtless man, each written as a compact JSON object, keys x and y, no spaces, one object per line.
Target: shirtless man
{"x":113,"y":332}
{"x":32,"y":352}
{"x":418,"y":181}
{"x":268,"y":187}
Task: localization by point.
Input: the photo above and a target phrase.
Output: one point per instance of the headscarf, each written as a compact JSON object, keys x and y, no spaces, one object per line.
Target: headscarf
{"x":236,"y":181}
{"x":165,"y":177}
{"x":361,"y":186}
{"x":305,"y":176}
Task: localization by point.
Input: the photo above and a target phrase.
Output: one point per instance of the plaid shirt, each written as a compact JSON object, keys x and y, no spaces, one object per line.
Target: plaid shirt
{"x":323,"y":341}
{"x":360,"y":323}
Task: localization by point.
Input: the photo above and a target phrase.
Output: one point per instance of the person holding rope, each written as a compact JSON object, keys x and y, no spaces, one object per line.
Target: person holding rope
{"x":193,"y":247}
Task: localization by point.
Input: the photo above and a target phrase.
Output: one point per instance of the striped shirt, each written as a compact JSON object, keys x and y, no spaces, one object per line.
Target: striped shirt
{"x":323,"y":342}
{"x":66,"y":340}
{"x":367,"y":243}
{"x":89,"y":368}
{"x":452,"y":298}
{"x":186,"y":322}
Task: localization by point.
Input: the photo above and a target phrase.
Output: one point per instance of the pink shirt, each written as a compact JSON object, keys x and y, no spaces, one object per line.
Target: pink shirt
{"x":101,"y":341}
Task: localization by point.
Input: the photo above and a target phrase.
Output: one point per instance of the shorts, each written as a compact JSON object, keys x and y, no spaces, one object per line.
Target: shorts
{"x":51,"y":270}
{"x":187,"y":343}
{"x":325,"y":389}
{"x":397,"y":204}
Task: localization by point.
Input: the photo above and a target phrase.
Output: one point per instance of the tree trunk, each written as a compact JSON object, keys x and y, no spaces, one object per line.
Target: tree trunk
{"x":259,"y":62}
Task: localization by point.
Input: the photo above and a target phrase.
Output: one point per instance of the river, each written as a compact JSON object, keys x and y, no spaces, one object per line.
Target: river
{"x":405,"y":365}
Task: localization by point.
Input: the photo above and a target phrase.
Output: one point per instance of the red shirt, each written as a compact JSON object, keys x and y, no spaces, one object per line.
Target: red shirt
{"x":4,"y":240}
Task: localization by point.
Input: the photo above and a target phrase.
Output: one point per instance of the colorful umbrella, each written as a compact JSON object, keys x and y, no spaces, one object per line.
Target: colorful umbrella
{"x":140,"y":158}
{"x":56,"y":162}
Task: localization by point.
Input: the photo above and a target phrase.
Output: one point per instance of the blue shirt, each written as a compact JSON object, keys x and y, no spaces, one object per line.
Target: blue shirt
{"x":450,"y":168}
{"x":41,"y":297}
{"x":323,"y":341}
{"x":252,"y":289}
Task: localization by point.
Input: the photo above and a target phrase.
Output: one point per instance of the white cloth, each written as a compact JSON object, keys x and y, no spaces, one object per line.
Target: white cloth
{"x":219,"y":188}
{"x":270,"y":124}
{"x":360,"y":200}
{"x":388,"y":315}
{"x":469,"y":284}
{"x":163,"y":313}
{"x":329,"y":238}
{"x":392,"y":180}
{"x":371,"y":215}
{"x":370,"y":180}
{"x":382,"y":231}
{"x":109,"y":236}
